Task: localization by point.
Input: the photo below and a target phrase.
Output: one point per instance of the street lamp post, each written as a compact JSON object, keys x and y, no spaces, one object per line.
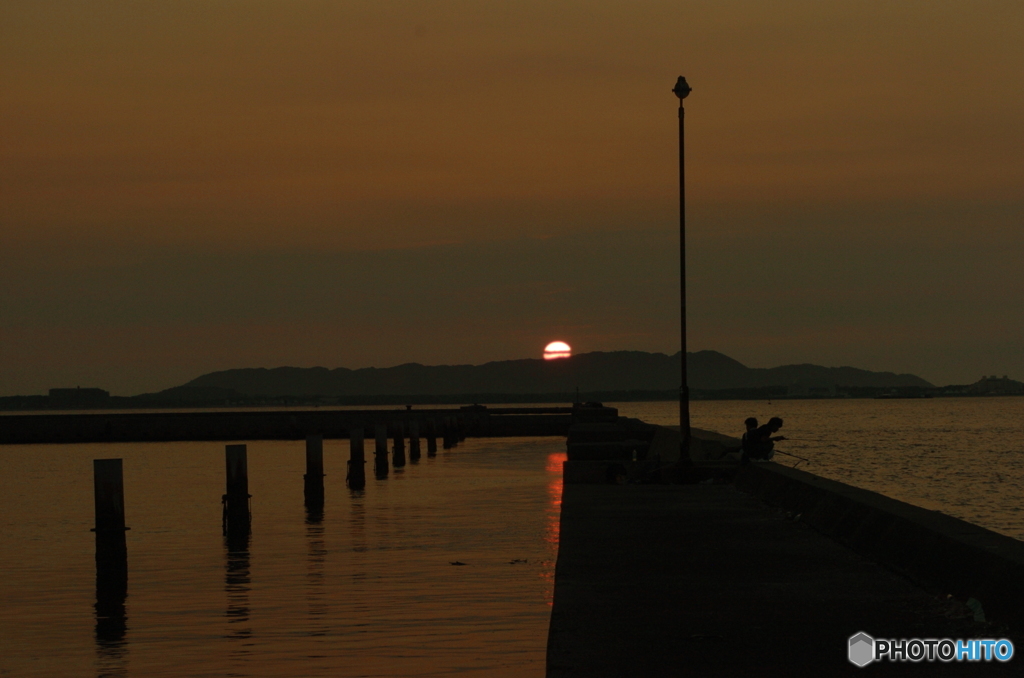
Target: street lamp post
{"x":682,"y":90}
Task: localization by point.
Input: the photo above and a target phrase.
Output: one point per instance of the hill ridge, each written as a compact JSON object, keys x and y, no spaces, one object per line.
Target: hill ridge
{"x":590,"y":372}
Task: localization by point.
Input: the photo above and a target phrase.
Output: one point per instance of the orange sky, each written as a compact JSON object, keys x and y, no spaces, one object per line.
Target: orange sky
{"x":855,"y":174}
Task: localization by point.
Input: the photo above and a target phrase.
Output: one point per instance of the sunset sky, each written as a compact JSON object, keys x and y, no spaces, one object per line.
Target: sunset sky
{"x":193,"y":186}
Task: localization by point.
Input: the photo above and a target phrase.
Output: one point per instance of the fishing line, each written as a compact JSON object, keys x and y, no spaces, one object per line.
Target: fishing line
{"x":788,"y":454}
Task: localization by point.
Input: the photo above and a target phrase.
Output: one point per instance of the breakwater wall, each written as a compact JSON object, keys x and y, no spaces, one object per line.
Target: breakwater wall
{"x":476,"y":420}
{"x":942,"y":553}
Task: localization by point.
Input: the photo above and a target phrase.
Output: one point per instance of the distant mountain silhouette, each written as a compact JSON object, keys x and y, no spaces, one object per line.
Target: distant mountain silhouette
{"x":590,"y":372}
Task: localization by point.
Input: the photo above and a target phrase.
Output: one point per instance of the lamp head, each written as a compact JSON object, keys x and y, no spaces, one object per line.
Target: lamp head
{"x":681,"y":89}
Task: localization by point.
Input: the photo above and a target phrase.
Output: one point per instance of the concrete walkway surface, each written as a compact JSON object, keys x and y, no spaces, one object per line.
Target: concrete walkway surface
{"x":703,"y":580}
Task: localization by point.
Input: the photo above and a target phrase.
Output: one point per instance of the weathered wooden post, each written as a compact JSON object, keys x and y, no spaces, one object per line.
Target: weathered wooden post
{"x":380,"y":454}
{"x":460,"y":428}
{"x":111,"y":548}
{"x":314,"y":478}
{"x":447,"y":439}
{"x":398,"y":432}
{"x":431,"y":437}
{"x":237,"y":517}
{"x":356,"y":478}
{"x":414,"y":441}
{"x":108,"y":492}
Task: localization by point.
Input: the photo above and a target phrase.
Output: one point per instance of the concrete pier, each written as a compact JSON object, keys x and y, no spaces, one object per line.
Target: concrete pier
{"x":704,"y":579}
{"x":241,"y":425}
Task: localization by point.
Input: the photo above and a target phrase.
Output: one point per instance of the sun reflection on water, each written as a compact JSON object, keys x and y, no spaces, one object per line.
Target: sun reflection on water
{"x":553,"y":522}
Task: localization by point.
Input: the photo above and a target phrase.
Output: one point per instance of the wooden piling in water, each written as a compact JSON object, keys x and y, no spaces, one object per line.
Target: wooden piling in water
{"x":414,"y":441}
{"x":356,"y":478}
{"x":398,"y":433}
{"x":111,"y":548}
{"x":460,"y":428}
{"x":380,"y":454}
{"x":447,"y":439}
{"x":431,"y":438}
{"x":313,"y":480}
{"x":237,"y":517}
{"x":108,"y":492}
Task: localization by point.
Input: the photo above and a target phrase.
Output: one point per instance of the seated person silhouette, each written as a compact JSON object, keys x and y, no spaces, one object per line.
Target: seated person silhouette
{"x":761,"y":442}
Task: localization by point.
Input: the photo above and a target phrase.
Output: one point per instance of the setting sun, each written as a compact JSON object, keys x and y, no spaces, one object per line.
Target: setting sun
{"x":557,"y":349}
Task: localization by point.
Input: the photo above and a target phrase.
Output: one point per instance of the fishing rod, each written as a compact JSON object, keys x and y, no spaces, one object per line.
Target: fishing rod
{"x":788,"y":454}
{"x":809,"y":440}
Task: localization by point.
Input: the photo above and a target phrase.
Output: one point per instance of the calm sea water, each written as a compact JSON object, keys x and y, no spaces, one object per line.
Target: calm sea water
{"x":368,"y":590}
{"x":961,"y":456}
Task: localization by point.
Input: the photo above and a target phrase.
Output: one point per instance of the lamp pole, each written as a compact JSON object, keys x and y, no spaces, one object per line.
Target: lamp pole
{"x":682,"y":90}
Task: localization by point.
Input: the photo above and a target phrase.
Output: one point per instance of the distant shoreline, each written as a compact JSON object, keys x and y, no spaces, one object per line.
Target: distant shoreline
{"x":44,"y":403}
{"x":615,"y":376}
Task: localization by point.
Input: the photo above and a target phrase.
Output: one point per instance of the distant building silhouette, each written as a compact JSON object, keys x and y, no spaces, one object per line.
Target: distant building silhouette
{"x":995,"y":386}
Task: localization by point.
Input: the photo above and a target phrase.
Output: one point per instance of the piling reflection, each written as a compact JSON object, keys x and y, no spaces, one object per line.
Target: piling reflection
{"x":237,"y":584}
{"x":358,"y":566}
{"x":316,"y":599}
{"x":314,"y":515}
{"x":111,"y":618}
{"x":357,"y":521}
